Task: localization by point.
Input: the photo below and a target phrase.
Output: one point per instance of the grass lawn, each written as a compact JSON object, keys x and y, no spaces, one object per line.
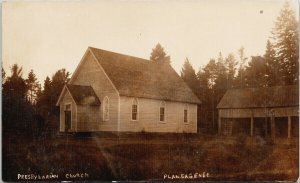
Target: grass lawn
{"x":149,"y":157}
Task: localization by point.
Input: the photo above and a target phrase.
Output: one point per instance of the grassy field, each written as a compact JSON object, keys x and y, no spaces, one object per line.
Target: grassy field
{"x":149,"y":157}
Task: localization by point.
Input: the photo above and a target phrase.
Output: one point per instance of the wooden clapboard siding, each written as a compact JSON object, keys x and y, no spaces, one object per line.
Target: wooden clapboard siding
{"x":148,"y":116}
{"x":91,"y":73}
{"x":258,"y":112}
{"x":103,"y":74}
{"x":67,"y":99}
{"x":88,"y":118}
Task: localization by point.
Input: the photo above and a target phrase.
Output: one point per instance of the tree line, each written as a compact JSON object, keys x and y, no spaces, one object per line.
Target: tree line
{"x":278,"y":66}
{"x":27,"y":105}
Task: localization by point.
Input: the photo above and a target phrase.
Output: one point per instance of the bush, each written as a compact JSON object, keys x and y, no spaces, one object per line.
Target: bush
{"x":241,"y":139}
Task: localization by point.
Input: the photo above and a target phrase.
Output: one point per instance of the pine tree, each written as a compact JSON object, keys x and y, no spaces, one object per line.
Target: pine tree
{"x":33,"y":87}
{"x":59,"y":79}
{"x":17,"y":112}
{"x":243,"y":59}
{"x":52,"y":89}
{"x":204,"y":112}
{"x":202,"y":78}
{"x":15,"y":85}
{"x":189,"y":76}
{"x":240,"y":79}
{"x":159,"y":55}
{"x":214,"y":75}
{"x":221,"y":78}
{"x":230,"y":63}
{"x":211,"y":70}
{"x":285,"y":34}
{"x":47,"y":85}
{"x":44,"y":98}
{"x":272,"y":65}
{"x":256,"y":72}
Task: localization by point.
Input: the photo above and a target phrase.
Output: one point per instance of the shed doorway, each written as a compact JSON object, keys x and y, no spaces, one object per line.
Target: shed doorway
{"x":259,"y":127}
{"x":281,"y":127}
{"x":295,"y":126}
{"x":241,"y":126}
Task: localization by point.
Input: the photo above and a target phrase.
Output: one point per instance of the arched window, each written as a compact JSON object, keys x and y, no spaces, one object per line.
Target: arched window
{"x":105,"y":109}
{"x":162,"y":112}
{"x":186,"y":114}
{"x":134,"y":110}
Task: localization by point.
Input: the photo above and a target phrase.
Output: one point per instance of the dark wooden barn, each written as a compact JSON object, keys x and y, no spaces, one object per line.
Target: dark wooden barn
{"x":272,"y":111}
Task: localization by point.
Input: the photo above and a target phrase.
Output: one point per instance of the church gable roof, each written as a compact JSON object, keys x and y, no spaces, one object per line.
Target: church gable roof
{"x":83,"y":95}
{"x":137,"y":77}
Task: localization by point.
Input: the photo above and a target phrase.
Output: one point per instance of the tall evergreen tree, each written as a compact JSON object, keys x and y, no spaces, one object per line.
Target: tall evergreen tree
{"x":17,"y":112}
{"x":272,"y":65}
{"x":256,"y":72}
{"x":215,"y":78}
{"x":285,"y":34}
{"x":44,"y":98}
{"x":221,"y":78}
{"x":230,"y":63}
{"x":47,"y":85}
{"x":59,"y":79}
{"x":33,"y":87}
{"x":204,"y":121}
{"x":240,"y":79}
{"x":51,"y":92}
{"x":189,"y":76}
{"x":15,"y":85}
{"x":159,"y":55}
{"x":202,"y":78}
{"x":210,"y":74}
{"x":242,"y":57}
{"x":221,"y":68}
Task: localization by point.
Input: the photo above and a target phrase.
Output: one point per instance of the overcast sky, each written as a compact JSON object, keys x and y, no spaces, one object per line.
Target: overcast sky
{"x":47,"y":36}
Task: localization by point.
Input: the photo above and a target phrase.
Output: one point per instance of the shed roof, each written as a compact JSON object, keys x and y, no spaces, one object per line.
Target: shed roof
{"x":83,"y":95}
{"x":137,"y":77}
{"x":277,"y":96}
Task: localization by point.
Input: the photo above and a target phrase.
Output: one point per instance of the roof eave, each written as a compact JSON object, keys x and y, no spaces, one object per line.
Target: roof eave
{"x":154,"y":98}
{"x":61,"y":95}
{"x":270,"y":107}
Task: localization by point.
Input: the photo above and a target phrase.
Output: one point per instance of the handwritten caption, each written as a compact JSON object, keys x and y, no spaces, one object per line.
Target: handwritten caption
{"x":187,"y":176}
{"x":52,"y":176}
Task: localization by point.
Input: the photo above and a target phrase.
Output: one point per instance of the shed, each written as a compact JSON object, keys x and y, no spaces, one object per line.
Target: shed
{"x":259,"y":111}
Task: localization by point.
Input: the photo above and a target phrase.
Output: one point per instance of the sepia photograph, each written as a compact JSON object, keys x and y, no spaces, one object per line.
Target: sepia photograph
{"x":140,"y":90}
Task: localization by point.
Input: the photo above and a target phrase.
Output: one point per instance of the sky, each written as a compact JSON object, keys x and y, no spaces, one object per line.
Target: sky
{"x":49,"y":35}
